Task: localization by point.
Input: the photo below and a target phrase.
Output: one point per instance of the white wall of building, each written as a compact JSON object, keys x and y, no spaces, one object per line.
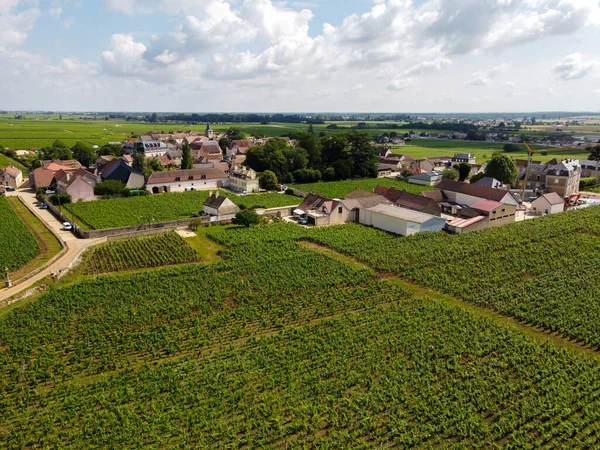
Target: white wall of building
{"x":182,"y":186}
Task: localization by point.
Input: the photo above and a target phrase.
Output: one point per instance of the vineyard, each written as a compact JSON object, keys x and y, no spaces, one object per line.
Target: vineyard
{"x":339,"y":189}
{"x":139,"y":253}
{"x":122,"y":212}
{"x":18,"y":246}
{"x":279,"y":346}
{"x":541,"y":271}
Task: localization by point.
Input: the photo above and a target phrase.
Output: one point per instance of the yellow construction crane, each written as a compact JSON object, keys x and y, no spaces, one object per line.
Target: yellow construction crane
{"x":545,"y":151}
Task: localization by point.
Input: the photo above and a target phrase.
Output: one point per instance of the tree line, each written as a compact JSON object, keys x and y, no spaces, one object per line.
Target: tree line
{"x":336,"y":157}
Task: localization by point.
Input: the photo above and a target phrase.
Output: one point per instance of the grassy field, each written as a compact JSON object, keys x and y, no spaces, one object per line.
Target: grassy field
{"x":122,"y":212}
{"x":281,"y":346}
{"x":339,"y":189}
{"x":35,"y":134}
{"x":424,"y":148}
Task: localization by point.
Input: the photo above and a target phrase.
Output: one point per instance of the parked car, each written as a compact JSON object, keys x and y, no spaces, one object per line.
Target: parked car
{"x":43,"y":206}
{"x":67,"y":226}
{"x":10,"y":189}
{"x":50,"y":192}
{"x":302,"y":221}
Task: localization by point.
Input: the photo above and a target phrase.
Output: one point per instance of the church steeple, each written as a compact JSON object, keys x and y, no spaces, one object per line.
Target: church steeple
{"x":209,"y":132}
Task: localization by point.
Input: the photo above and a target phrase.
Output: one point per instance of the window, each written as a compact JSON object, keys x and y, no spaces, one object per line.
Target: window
{"x":177,"y":178}
{"x":191,"y":177}
{"x":503,"y":209}
{"x":340,"y":209}
{"x":555,"y":181}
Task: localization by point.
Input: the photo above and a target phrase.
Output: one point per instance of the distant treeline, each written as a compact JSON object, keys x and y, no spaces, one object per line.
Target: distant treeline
{"x":442,"y":126}
{"x":254,"y":117}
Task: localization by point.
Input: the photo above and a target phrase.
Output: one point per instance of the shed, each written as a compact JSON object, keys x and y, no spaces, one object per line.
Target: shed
{"x":219,"y":205}
{"x":550,"y":203}
{"x":399,"y":220}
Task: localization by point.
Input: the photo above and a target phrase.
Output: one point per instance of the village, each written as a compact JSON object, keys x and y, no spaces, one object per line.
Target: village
{"x":444,"y":204}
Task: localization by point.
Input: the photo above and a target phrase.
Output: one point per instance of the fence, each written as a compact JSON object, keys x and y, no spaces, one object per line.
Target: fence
{"x":280,"y":212}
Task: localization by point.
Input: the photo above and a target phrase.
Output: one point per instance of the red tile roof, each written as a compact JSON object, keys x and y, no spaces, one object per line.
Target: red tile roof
{"x":464,"y":223}
{"x":553,"y":198}
{"x":473,"y":190}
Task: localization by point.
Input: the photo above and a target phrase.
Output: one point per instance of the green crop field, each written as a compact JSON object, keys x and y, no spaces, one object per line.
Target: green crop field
{"x":281,"y":346}
{"x":122,"y":212}
{"x":541,"y":271}
{"x":425,"y":148}
{"x":18,"y":245}
{"x":139,"y":253}
{"x":339,"y":189}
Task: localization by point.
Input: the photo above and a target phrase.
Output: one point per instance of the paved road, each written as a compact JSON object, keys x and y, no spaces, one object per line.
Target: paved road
{"x":73,"y":244}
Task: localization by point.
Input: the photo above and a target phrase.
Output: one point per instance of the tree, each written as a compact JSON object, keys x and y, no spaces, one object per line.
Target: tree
{"x":247,"y":217}
{"x":334,"y":148}
{"x":451,"y":174}
{"x":60,"y":199}
{"x":310,"y":129}
{"x":111,"y":149}
{"x":84,"y":153}
{"x":502,"y":168}
{"x":312,"y":145}
{"x":154,"y":118}
{"x":511,"y":148}
{"x":155,"y":165}
{"x":186,"y":158}
{"x":595,"y":153}
{"x":224,"y":144}
{"x":464,"y":169}
{"x":234,"y":134}
{"x":363,"y":154}
{"x":110,"y":187}
{"x":268,"y":180}
{"x":307,"y":175}
{"x":139,"y":161}
{"x":343,"y":169}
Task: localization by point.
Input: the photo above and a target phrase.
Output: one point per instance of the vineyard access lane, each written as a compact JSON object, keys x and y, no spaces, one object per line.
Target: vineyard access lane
{"x":73,"y":245}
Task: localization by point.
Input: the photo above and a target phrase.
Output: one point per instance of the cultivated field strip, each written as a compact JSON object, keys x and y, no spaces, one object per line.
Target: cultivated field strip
{"x":279,"y":346}
{"x":144,"y":210}
{"x":139,"y":253}
{"x":18,"y":245}
{"x":543,"y":271}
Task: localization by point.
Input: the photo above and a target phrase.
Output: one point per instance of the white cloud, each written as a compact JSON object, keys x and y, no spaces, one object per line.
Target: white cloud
{"x":55,"y":12}
{"x":17,"y":18}
{"x":428,"y":66}
{"x":485,"y":77}
{"x":400,"y":84}
{"x":124,"y":56}
{"x":266,"y":50}
{"x":574,"y":66}
{"x":68,"y":23}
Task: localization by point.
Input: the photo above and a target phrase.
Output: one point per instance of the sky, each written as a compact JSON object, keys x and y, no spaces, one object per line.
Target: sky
{"x":300,"y":56}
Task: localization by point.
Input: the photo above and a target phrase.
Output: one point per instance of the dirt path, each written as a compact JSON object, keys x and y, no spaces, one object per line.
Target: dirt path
{"x":537,"y":333}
